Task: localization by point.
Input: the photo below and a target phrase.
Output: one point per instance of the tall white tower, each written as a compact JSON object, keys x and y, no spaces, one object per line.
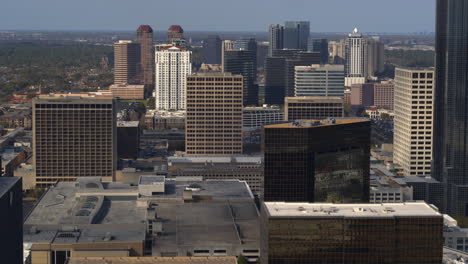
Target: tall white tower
{"x":173,"y":65}
{"x":356,"y":58}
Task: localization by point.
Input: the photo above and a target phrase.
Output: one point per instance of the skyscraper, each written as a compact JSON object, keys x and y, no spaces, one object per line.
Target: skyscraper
{"x":173,"y":65}
{"x":356,"y":58}
{"x":214,"y":114}
{"x":226,"y":46}
{"x":244,"y":62}
{"x":73,"y":137}
{"x":126,"y":62}
{"x":246,"y":43}
{"x":11,"y":222}
{"x":450,"y":152}
{"x":175,"y":33}
{"x":317,"y":161}
{"x":296,"y":34}
{"x":412,"y":143}
{"x":145,"y":39}
{"x":212,"y":49}
{"x":319,"y":80}
{"x":375,"y":55}
{"x":319,"y":45}
{"x":275,"y":35}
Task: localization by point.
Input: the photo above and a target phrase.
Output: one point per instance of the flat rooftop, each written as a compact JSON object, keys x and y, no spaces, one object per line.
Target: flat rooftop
{"x":154,"y":260}
{"x":319,"y":123}
{"x":128,"y":123}
{"x":6,"y":183}
{"x":325,"y":210}
{"x":208,"y":159}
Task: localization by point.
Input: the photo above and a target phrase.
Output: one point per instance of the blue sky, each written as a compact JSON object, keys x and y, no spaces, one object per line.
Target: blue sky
{"x":218,"y":15}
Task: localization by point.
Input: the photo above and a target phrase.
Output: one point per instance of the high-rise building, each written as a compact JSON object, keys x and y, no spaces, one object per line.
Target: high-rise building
{"x":412,"y":143}
{"x":384,"y":95}
{"x":362,"y":94}
{"x":175,"y":33}
{"x":262,"y":53}
{"x":73,"y":137}
{"x":375,"y":56}
{"x":126,"y":61}
{"x":317,"y":161}
{"x":319,"y":45}
{"x":214,"y":114}
{"x":350,"y":233}
{"x":313,"y":107}
{"x":244,"y":62}
{"x":173,"y":65}
{"x":296,"y":34}
{"x":450,"y":153}
{"x":276,"y":34}
{"x":145,"y":39}
{"x":128,"y":139}
{"x":356,"y":58}
{"x":11,"y":222}
{"x":227,"y":45}
{"x":246,"y":43}
{"x":337,"y":51}
{"x":212,"y":49}
{"x":319,"y":80}
{"x":373,"y":94}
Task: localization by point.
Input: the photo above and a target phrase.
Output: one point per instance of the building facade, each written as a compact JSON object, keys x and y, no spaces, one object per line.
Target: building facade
{"x":317,"y":161}
{"x":256,"y":117}
{"x":214,"y":114}
{"x":375,"y":56}
{"x":126,"y":61}
{"x":362,"y":94}
{"x":319,"y":80}
{"x":73,"y":137}
{"x":384,"y":93}
{"x":244,"y":62}
{"x":356,"y":58}
{"x":298,"y":233}
{"x":128,"y":92}
{"x":175,"y":33}
{"x":212,"y":49}
{"x":313,"y":107}
{"x":319,"y":45}
{"x":275,"y":37}
{"x":145,"y":39}
{"x":11,"y":221}
{"x":173,"y":65}
{"x":412,"y":141}
{"x":296,"y":34}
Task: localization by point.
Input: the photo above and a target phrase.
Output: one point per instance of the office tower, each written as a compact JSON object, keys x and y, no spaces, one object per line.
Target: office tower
{"x":262,"y":53}
{"x":128,"y":139}
{"x":275,"y":37}
{"x":256,"y":117}
{"x":296,"y":34}
{"x":227,"y":45}
{"x":246,"y":43}
{"x":313,"y":107}
{"x":356,"y":58}
{"x":173,"y":65}
{"x":375,"y":56}
{"x":384,"y":95}
{"x":362,"y":94}
{"x":175,"y":33}
{"x":280,"y":73}
{"x":317,"y":161}
{"x":319,"y":80}
{"x":73,"y":137}
{"x":145,"y":39}
{"x":11,"y":222}
{"x":214,"y":114}
{"x":412,"y":143}
{"x":212,"y":49}
{"x":319,"y":45}
{"x":450,"y":155}
{"x":350,"y":233}
{"x":244,"y":62}
{"x":337,"y":51}
{"x":126,"y":61}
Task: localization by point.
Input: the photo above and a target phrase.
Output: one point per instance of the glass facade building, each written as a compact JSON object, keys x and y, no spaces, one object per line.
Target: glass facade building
{"x":317,"y":161}
{"x":319,"y":45}
{"x":296,"y":34}
{"x":244,"y":62}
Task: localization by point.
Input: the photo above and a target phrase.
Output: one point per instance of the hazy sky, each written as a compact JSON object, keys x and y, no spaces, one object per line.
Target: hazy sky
{"x":218,"y":15}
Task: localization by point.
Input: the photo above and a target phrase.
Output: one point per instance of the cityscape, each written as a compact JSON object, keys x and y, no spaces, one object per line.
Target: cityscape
{"x":280,"y":145}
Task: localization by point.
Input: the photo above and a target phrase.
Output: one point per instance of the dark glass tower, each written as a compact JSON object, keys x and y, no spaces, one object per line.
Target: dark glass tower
{"x":244,"y":62}
{"x":212,"y":49}
{"x":450,"y":158}
{"x":319,"y":45}
{"x":275,"y":35}
{"x":296,"y":34}
{"x":317,"y":161}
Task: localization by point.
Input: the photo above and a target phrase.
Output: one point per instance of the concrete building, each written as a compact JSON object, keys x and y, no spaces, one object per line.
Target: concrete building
{"x":128,"y":92}
{"x":362,"y":94}
{"x":319,"y":80}
{"x":145,"y":40}
{"x":74,"y":137}
{"x":296,"y":34}
{"x":154,"y":260}
{"x":11,"y":222}
{"x":214,"y":114}
{"x":126,"y":61}
{"x":275,"y":37}
{"x":158,"y":218}
{"x":376,"y":113}
{"x":243,"y":168}
{"x":313,"y":107}
{"x":356,"y":58}
{"x":163,"y":120}
{"x":175,"y":33}
{"x":350,"y":233}
{"x":317,"y":161}
{"x":384,"y":95}
{"x":256,"y":117}
{"x":173,"y":65}
{"x":412,"y":141}
{"x":375,"y":56}
{"x":212,"y":49}
{"x":243,"y":61}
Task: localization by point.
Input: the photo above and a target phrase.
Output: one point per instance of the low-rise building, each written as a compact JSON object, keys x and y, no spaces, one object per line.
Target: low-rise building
{"x":256,"y":117}
{"x":154,"y":260}
{"x":128,"y":92}
{"x":313,"y":107}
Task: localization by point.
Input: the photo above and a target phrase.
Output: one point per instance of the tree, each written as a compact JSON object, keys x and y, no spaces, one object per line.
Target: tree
{"x":242,"y":260}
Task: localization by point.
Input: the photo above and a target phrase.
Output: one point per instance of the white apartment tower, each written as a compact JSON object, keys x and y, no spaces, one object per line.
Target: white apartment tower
{"x":173,"y":65}
{"x":413,"y":105}
{"x":356,"y":58}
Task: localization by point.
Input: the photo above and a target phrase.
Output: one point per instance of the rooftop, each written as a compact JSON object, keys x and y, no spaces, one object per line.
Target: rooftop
{"x":318,"y":210}
{"x":128,"y":123}
{"x":214,"y":74}
{"x":145,"y":28}
{"x":6,"y":183}
{"x":319,"y":123}
{"x":154,"y":260}
{"x":208,"y":159}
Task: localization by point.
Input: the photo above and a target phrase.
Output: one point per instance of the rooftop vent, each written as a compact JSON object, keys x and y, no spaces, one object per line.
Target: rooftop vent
{"x":107,"y":237}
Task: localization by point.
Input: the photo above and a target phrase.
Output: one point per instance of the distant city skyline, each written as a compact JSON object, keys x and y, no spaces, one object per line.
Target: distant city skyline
{"x":397,"y":16}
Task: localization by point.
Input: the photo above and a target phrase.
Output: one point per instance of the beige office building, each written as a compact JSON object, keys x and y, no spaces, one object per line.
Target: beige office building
{"x":128,"y":92}
{"x":214,"y":114}
{"x":73,"y":137}
{"x":413,"y":120}
{"x":313,"y":107}
{"x":126,"y":60}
